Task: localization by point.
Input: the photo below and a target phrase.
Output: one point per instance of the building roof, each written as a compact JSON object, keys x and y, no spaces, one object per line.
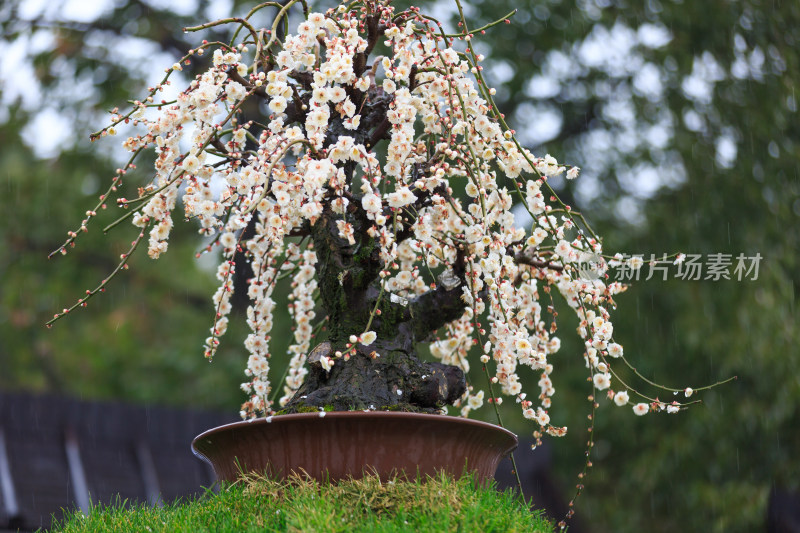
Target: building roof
{"x":58,"y":453}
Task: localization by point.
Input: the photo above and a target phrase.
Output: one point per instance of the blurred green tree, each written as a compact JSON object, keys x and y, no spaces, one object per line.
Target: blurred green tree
{"x":686,"y":113}
{"x":138,"y":342}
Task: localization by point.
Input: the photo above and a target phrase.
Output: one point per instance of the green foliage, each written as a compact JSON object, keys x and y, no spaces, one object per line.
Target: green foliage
{"x":120,"y":347}
{"x":258,"y":504}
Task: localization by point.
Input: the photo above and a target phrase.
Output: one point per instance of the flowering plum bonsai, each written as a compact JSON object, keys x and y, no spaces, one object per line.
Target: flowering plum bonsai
{"x":362,"y":159}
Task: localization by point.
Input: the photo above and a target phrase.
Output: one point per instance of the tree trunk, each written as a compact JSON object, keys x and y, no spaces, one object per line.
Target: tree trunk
{"x":387,"y":374}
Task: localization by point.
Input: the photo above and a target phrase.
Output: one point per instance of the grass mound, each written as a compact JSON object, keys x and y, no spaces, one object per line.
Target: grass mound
{"x":256,"y":503}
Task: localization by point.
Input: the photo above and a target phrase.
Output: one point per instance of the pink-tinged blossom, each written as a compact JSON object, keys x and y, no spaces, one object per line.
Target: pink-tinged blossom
{"x":371,"y":203}
{"x":572,"y":173}
{"x":190,"y":164}
{"x":615,"y":350}
{"x":602,"y":381}
{"x":401,"y":197}
{"x":621,"y":398}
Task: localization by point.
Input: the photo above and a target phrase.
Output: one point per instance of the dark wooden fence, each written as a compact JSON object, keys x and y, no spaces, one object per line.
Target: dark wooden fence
{"x":58,"y":453}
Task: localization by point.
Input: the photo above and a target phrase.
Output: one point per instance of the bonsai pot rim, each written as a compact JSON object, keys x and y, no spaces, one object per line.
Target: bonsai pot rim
{"x":332,"y":446}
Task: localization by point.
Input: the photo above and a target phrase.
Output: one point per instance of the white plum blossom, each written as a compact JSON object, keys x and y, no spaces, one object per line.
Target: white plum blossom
{"x":368,"y":337}
{"x":621,"y":398}
{"x":602,"y":381}
{"x":371,"y":203}
{"x":476,"y":400}
{"x":572,"y":173}
{"x":635,"y":262}
{"x":400,"y":197}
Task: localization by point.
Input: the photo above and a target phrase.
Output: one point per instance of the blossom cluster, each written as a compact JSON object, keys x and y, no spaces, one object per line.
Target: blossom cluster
{"x":314,"y":151}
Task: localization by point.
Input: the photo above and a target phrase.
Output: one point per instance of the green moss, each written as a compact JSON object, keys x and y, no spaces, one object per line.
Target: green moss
{"x":391,"y":316}
{"x":303,"y":408}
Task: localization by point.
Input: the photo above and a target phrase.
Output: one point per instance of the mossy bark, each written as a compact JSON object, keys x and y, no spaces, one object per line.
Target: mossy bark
{"x":387,"y":374}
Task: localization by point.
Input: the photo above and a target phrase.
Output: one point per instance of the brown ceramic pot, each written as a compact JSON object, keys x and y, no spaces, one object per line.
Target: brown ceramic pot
{"x":343,"y":444}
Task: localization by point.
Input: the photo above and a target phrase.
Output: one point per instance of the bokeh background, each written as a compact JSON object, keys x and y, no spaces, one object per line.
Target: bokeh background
{"x":683,"y":117}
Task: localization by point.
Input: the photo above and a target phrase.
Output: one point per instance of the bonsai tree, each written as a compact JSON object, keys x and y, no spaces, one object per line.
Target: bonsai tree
{"x":361,"y":159}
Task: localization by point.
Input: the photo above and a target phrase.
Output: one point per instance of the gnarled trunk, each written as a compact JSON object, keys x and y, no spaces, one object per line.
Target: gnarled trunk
{"x":387,"y":374}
